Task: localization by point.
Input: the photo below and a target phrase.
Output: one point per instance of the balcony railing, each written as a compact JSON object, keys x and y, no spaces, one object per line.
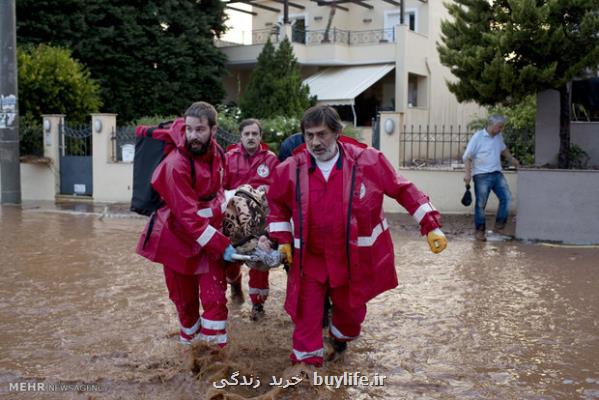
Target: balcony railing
{"x":248,"y":38}
{"x":344,"y":37}
{"x":316,"y":37}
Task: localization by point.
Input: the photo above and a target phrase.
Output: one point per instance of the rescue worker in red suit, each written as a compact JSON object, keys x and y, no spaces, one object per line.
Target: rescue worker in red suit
{"x":249,"y":162}
{"x":184,"y":234}
{"x":333,"y":192}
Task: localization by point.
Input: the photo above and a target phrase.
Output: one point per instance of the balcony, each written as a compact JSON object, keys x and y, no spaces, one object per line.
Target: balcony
{"x":335,"y":47}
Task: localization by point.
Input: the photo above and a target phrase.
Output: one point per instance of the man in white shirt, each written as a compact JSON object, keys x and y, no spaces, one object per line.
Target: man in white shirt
{"x":482,"y":160}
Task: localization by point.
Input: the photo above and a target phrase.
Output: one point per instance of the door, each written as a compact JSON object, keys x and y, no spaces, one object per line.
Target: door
{"x":75,"y":160}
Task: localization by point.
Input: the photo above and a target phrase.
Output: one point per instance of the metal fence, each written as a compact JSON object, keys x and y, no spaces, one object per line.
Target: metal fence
{"x":444,"y":146}
{"x":123,"y":135}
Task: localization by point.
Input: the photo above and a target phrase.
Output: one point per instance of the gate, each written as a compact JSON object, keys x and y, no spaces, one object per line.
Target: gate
{"x":75,"y":160}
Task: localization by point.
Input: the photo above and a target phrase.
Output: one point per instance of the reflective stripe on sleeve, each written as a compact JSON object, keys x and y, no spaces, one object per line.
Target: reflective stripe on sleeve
{"x":279,"y":227}
{"x":422,"y":210}
{"x":205,"y":237}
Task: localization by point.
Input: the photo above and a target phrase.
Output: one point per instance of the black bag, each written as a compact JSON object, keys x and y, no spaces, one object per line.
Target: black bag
{"x":467,"y":197}
{"x":152,"y":144}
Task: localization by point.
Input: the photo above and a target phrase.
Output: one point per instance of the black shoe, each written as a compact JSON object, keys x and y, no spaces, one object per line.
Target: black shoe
{"x":257,"y":312}
{"x":334,"y":349}
{"x":328,"y":312}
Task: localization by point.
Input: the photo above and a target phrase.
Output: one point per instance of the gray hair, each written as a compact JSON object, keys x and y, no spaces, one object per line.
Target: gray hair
{"x":496,"y":119}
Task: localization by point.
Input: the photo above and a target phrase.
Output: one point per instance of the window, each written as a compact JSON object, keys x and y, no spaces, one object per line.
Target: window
{"x":392,"y":18}
{"x":417,"y":91}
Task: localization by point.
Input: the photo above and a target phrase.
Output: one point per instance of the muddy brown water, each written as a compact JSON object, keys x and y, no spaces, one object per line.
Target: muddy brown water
{"x":495,"y":320}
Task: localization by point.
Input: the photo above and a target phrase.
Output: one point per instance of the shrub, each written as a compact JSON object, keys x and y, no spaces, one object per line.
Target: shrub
{"x":51,"y":82}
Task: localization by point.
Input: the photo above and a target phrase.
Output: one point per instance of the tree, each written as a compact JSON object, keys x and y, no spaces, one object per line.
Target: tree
{"x":256,"y":101}
{"x":150,"y":57}
{"x":504,"y":50}
{"x":51,"y":82}
{"x":275,"y":87}
{"x":290,"y":97}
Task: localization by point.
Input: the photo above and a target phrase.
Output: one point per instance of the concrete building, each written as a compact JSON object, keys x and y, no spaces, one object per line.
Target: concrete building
{"x":365,"y":62}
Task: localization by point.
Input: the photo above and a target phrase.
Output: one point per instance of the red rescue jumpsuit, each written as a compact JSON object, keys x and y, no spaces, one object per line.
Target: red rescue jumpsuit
{"x":185,"y":236}
{"x":255,"y":170}
{"x":341,"y":239}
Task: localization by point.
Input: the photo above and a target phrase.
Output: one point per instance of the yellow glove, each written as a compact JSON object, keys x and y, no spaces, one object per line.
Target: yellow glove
{"x":286,"y":252}
{"x":436,"y":240}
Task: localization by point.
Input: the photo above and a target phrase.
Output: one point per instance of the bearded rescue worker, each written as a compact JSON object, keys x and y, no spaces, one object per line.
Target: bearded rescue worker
{"x":334,"y":191}
{"x":184,"y":234}
{"x":249,"y":162}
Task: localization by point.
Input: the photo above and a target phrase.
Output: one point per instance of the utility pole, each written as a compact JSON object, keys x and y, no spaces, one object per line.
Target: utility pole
{"x":10,"y":169}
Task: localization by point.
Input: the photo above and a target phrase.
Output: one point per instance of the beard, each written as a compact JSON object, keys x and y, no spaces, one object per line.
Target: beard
{"x":197,"y":148}
{"x":324,"y":153}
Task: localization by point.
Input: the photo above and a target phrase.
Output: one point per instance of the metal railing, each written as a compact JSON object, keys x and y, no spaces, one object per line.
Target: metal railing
{"x":315,"y":37}
{"x":123,"y":135}
{"x":345,"y":37}
{"x":444,"y":146}
{"x":248,"y":38}
{"x":75,"y":140}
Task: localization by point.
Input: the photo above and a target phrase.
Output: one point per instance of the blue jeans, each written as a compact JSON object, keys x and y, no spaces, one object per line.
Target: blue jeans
{"x":483,"y":184}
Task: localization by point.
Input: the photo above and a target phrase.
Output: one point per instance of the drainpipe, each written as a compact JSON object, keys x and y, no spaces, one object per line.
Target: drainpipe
{"x":428,"y":91}
{"x":353,"y":109}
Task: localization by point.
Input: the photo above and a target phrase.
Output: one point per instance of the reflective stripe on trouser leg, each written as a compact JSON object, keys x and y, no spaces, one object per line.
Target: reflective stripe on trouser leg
{"x":213,"y":286}
{"x":258,"y":286}
{"x":346,"y":322}
{"x":307,"y":333}
{"x":183,"y":292}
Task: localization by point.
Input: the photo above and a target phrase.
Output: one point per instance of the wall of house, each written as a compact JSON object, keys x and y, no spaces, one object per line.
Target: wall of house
{"x":558,"y":205}
{"x":358,"y":18}
{"x":37,"y":181}
{"x":586,"y":136}
{"x":583,"y":134}
{"x":446,"y":188}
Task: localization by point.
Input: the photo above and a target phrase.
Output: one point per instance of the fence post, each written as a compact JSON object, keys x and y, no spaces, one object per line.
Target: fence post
{"x":51,"y":128}
{"x":390,"y":136}
{"x":102,"y":127}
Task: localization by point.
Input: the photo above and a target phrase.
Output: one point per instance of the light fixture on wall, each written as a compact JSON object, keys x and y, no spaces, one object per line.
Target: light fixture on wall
{"x":98,"y":125}
{"x":389,"y":126}
{"x":47,"y":125}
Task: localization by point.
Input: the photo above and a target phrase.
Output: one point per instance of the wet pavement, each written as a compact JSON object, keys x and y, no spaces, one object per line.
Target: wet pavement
{"x":494,"y":320}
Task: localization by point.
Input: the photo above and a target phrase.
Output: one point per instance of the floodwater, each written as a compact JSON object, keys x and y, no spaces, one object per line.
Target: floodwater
{"x":494,"y":320}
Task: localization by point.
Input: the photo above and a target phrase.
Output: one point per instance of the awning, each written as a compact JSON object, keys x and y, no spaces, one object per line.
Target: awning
{"x":341,"y":85}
